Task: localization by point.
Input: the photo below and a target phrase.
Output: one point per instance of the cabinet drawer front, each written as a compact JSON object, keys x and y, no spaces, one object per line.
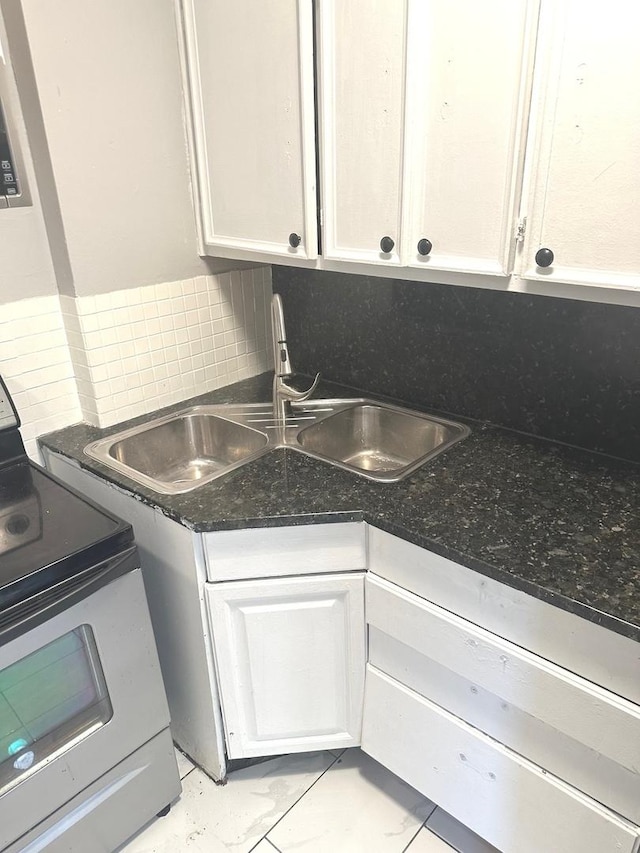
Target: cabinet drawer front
{"x":504,"y":798}
{"x":598,"y":654}
{"x":584,"y":767}
{"x":290,"y":656}
{"x":588,"y":721}
{"x":268,"y":552}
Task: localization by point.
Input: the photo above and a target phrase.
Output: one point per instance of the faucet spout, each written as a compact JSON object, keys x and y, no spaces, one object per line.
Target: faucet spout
{"x":283,"y":393}
{"x":281,"y":360}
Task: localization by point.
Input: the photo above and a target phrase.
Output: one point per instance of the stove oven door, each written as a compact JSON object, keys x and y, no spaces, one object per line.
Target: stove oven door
{"x":80,"y":690}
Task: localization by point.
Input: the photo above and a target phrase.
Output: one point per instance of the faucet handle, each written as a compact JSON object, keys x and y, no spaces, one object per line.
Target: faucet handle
{"x":313,"y":387}
{"x":300,"y":396}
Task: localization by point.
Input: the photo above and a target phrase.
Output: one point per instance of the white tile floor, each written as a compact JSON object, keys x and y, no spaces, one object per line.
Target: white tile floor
{"x":313,"y":802}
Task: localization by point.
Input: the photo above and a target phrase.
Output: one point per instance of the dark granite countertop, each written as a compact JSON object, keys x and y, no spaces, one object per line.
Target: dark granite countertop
{"x":554,"y":521}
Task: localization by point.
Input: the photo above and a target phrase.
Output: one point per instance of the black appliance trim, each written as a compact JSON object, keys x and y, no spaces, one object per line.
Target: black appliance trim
{"x":31,"y":612}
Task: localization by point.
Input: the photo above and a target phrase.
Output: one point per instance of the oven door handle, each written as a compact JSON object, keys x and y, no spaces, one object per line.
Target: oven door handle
{"x":42,"y":606}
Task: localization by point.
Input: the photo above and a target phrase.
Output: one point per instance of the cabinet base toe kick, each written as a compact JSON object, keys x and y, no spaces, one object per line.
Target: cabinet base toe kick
{"x":504,"y":798}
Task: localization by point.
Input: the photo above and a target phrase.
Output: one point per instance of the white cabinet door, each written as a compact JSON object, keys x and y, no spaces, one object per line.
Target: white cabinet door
{"x":361,"y":91}
{"x":250,"y":74}
{"x":290,"y":655}
{"x":584,"y":185}
{"x":468,"y":86}
{"x":423,"y":107}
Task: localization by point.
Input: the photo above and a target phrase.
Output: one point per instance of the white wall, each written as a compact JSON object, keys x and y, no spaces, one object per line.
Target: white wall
{"x":26,"y":269}
{"x":108,"y":77}
{"x":25,"y":263}
{"x":142,"y":321}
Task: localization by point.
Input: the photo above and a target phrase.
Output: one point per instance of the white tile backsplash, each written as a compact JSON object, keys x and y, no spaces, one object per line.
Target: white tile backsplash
{"x":115,"y":356}
{"x":138,"y":350}
{"x":35,"y":362}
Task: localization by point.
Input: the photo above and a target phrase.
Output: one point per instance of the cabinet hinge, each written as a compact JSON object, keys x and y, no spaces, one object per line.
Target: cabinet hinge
{"x":521,"y":228}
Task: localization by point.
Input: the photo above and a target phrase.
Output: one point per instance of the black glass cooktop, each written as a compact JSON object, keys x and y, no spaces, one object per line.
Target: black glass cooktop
{"x":48,"y":533}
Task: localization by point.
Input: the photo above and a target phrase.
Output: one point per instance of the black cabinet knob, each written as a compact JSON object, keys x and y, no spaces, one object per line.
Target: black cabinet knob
{"x":424,"y":246}
{"x":544,"y":257}
{"x":386,"y":245}
{"x":294,"y":240}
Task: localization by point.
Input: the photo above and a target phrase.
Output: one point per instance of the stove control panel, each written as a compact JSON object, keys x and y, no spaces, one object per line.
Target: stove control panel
{"x":8,"y":415}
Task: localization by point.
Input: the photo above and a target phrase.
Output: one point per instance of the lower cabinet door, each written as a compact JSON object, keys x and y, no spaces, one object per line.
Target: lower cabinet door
{"x":509,"y":801}
{"x":290,"y":656}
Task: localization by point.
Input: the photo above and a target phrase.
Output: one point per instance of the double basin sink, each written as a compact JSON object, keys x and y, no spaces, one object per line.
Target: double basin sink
{"x":179,"y":452}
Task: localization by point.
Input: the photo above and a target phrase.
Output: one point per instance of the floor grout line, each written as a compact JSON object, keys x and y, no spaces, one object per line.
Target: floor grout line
{"x":293,"y":805}
{"x":270,"y":843}
{"x":333,"y":760}
{"x":422,"y":826}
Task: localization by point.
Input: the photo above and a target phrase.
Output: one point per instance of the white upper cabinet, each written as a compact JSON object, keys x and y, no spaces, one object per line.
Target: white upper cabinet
{"x":251,"y":99}
{"x":423,"y":105}
{"x":362,"y":60}
{"x":468,"y":86}
{"x":583,"y":200}
{"x":450,"y":136}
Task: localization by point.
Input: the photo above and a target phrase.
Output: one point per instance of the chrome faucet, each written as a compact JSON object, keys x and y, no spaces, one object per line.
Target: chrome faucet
{"x":283,"y":393}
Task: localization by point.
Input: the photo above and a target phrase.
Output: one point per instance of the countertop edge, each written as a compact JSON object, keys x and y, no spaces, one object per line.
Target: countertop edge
{"x":571,"y":605}
{"x":350,"y":510}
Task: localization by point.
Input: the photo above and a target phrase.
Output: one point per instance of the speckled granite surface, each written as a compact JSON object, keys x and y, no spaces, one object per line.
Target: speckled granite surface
{"x":559,"y":523}
{"x":560,"y":368}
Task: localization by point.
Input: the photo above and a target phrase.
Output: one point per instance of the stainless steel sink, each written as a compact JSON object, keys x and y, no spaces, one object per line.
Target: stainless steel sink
{"x":179,"y":452}
{"x":381,"y":442}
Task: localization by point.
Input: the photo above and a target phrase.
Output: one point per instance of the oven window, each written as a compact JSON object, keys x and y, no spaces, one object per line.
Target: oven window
{"x":48,"y":701}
